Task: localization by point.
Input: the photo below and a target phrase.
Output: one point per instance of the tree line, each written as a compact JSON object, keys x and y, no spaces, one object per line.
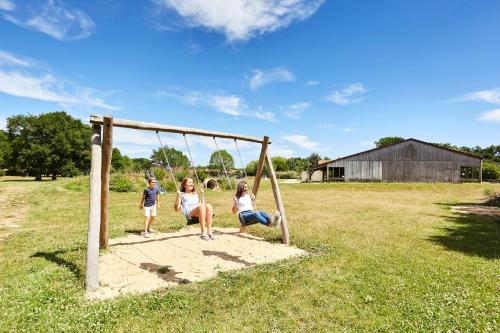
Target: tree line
{"x":56,"y":144}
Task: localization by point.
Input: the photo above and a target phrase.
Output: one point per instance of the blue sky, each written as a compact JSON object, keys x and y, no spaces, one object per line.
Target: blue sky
{"x":316,"y":76}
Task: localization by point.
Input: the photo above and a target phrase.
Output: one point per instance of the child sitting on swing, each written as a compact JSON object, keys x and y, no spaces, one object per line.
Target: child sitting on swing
{"x":188,"y":200}
{"x":244,"y":203}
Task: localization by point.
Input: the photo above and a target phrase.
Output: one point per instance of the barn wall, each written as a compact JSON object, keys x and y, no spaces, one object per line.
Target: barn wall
{"x":409,"y":161}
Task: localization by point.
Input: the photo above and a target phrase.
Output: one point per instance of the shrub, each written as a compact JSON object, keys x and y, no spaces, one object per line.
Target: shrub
{"x":70,"y":170}
{"x":160,"y":173}
{"x":202,"y":174}
{"x":225,"y":185}
{"x":3,"y":172}
{"x":169,"y":186}
{"x":79,"y":184}
{"x":181,"y":174}
{"x":119,"y":182}
{"x":287,"y":174}
{"x":491,"y":170}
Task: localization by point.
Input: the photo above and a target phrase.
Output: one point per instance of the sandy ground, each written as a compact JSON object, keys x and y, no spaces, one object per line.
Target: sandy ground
{"x":477,"y":210}
{"x":13,"y":209}
{"x":135,"y":264}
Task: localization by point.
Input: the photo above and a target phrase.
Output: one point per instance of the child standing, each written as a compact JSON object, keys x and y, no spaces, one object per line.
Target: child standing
{"x":149,"y":202}
{"x":244,"y":204}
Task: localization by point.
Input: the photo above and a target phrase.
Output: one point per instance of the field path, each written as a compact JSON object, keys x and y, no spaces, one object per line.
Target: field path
{"x":14,"y":206}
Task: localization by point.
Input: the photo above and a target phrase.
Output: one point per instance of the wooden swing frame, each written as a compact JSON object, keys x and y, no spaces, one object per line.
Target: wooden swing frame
{"x":101,"y":152}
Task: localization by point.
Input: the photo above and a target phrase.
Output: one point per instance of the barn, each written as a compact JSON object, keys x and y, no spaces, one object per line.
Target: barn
{"x":411,"y":160}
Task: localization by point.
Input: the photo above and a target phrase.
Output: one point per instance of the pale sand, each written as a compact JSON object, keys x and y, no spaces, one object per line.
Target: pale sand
{"x":135,"y":264}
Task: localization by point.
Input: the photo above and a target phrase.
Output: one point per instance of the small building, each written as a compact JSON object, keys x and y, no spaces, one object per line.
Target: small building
{"x":408,"y":161}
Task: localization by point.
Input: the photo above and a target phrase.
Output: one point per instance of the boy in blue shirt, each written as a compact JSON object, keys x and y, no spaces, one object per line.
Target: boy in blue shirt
{"x":150,"y":203}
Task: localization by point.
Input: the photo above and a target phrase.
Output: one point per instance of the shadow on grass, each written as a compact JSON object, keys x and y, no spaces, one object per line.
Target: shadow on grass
{"x":56,"y":258}
{"x":472,"y":234}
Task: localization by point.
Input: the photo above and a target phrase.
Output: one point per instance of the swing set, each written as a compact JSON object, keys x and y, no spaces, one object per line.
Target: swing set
{"x":101,"y":152}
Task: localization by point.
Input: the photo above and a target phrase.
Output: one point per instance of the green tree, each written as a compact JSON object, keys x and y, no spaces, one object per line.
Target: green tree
{"x":120,"y":162}
{"x":215,"y":162}
{"x":52,"y":143}
{"x":313,"y":159}
{"x":175,"y":157}
{"x":251,"y":168}
{"x":4,"y":149}
{"x":491,"y":170}
{"x":279,"y":163}
{"x":388,"y":140}
{"x":140,"y":164}
{"x":297,"y":164}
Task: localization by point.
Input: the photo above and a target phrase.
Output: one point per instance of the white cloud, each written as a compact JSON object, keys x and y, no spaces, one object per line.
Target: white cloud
{"x":241,"y":20}
{"x":231,"y":105}
{"x":22,"y":78}
{"x":3,"y":123}
{"x":312,"y":83}
{"x":348,"y":130}
{"x":275,"y":150}
{"x":295,"y":110}
{"x":353,"y":93}
{"x":489,"y":96}
{"x":7,"y":5}
{"x":261,"y":77}
{"x":301,"y":141}
{"x":54,"y":19}
{"x":7,"y":58}
{"x":492,"y":116}
{"x":265,"y":115}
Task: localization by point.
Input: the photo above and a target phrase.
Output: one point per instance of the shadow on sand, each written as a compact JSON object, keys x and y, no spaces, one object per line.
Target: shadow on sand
{"x":472,"y":234}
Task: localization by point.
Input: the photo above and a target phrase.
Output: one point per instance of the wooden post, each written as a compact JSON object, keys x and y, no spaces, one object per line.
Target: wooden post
{"x":107,"y":152}
{"x":92,"y":272}
{"x":260,"y":166}
{"x":481,"y":172}
{"x":285,"y":237}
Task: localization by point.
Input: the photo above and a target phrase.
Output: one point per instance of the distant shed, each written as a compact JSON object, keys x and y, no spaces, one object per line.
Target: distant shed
{"x":411,"y":160}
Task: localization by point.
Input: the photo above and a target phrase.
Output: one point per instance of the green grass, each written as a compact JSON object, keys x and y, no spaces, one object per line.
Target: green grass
{"x":385,"y":258}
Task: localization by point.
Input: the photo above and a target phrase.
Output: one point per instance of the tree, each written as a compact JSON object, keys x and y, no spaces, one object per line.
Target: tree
{"x":4,"y":149}
{"x":313,"y":159}
{"x":215,"y":162}
{"x":53,"y":143}
{"x":175,"y":157}
{"x":140,"y":164}
{"x":120,"y":162}
{"x":388,"y":140}
{"x":251,"y":168}
{"x":279,"y":163}
{"x":297,"y":164}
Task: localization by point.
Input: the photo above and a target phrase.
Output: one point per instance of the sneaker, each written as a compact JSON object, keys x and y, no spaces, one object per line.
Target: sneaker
{"x":205,"y":237}
{"x":276,"y":219}
{"x":212,"y":236}
{"x":151,"y":230}
{"x":146,"y":234}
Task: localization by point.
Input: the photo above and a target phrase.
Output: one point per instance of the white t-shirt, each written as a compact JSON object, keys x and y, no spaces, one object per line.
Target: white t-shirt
{"x":244,"y":203}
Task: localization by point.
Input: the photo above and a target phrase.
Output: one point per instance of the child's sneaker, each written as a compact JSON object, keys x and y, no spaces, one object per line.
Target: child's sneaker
{"x":276,"y":219}
{"x":212,"y":236}
{"x":151,"y":230}
{"x":205,"y":237}
{"x":146,"y":234}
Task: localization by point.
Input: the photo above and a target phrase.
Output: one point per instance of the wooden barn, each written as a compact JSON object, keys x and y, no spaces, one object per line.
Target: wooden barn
{"x":407,"y":161}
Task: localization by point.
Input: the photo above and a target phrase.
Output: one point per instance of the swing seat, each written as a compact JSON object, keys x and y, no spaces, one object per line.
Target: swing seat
{"x":244,"y":223}
{"x":194,"y":219}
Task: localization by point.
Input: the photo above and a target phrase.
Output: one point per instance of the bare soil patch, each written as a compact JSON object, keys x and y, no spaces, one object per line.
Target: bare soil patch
{"x":135,"y":264}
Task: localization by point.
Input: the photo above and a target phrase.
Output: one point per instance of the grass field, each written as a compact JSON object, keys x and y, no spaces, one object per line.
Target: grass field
{"x":385,"y":258}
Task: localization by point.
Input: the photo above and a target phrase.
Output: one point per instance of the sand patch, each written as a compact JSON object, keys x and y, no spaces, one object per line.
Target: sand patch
{"x":13,"y":209}
{"x":135,"y":264}
{"x":477,"y":210}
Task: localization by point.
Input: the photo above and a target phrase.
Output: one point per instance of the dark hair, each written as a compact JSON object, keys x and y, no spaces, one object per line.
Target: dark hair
{"x":151,"y":179}
{"x":240,"y":188}
{"x":183,"y":185}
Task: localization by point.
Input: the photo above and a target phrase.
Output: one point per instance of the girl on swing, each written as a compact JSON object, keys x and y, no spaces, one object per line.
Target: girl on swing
{"x":188,"y":200}
{"x":244,"y":203}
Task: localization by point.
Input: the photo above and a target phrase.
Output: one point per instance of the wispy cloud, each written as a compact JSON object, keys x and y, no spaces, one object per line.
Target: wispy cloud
{"x":283,"y":151}
{"x":7,"y":58}
{"x":352,"y":93}
{"x":295,"y":110}
{"x":240,"y":20}
{"x":7,"y":5}
{"x":263,"y":77}
{"x":492,"y":116}
{"x":21,"y":78}
{"x":52,"y":18}
{"x":301,"y":141}
{"x":488,"y":96}
{"x":348,"y":130}
{"x":231,"y":105}
{"x":312,"y":83}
